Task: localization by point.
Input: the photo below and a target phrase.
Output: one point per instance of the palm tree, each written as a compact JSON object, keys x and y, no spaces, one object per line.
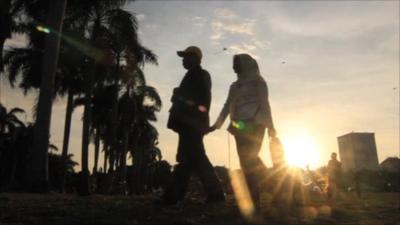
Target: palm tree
{"x":9,"y":120}
{"x":133,"y":109}
{"x":135,"y":55}
{"x":113,"y":29}
{"x":10,"y":126}
{"x":8,"y":157}
{"x":38,"y":178}
{"x":25,"y":63}
{"x":100,"y":124}
{"x":72,"y":64}
{"x":21,"y":149}
{"x":57,"y":169}
{"x":143,"y":136}
{"x":111,"y":35}
{"x":8,"y":10}
{"x":27,"y":60}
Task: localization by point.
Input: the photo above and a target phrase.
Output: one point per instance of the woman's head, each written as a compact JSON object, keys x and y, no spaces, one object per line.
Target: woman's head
{"x":245,"y":65}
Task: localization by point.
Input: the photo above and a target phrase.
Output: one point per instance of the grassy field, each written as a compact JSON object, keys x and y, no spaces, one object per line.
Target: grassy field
{"x":57,"y":209}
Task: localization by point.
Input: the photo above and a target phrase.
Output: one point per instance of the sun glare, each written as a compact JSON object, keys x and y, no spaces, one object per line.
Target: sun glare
{"x":301,"y":150}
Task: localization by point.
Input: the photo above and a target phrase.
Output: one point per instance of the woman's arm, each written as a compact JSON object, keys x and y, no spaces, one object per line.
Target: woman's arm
{"x":225,"y":110}
{"x":265,"y":106}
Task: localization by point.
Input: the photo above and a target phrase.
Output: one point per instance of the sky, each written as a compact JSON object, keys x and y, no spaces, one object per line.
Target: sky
{"x":332,"y":67}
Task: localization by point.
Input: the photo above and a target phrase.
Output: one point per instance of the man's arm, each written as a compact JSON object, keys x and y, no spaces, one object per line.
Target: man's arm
{"x":202,"y":90}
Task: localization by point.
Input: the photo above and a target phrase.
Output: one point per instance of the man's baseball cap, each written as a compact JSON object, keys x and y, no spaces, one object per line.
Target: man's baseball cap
{"x":191,"y":50}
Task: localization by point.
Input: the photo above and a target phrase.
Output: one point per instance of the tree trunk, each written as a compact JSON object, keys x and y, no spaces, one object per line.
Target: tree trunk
{"x":114,"y":118}
{"x":37,"y":176}
{"x":123,"y":161}
{"x":87,"y":118}
{"x":111,"y":159}
{"x":14,"y":160}
{"x":118,"y":161}
{"x":67,"y":129}
{"x":96,"y":150}
{"x":105,"y":158}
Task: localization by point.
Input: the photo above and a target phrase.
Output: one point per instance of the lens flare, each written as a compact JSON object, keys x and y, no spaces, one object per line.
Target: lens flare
{"x":202,"y":108}
{"x":240,"y":125}
{"x":99,"y":55}
{"x":242,"y":194}
{"x":43,"y":29}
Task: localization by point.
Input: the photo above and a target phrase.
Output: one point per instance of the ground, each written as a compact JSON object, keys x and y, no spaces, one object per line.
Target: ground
{"x":58,"y":209}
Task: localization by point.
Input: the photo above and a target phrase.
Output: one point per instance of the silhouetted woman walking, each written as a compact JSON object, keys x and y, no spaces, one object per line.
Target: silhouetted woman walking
{"x":249,"y":109}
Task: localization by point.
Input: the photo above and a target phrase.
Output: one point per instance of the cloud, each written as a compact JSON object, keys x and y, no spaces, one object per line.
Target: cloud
{"x":199,"y":21}
{"x":224,"y":13}
{"x":237,"y":32}
{"x":245,"y":27}
{"x":326,"y":22}
{"x":152,"y":26}
{"x":244,"y":48}
{"x":233,"y":27}
{"x":140,"y":17}
{"x":250,"y":47}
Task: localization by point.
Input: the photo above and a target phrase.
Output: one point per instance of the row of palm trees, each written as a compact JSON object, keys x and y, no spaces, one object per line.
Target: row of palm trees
{"x":95,"y":61}
{"x":16,"y":137}
{"x":11,"y":131}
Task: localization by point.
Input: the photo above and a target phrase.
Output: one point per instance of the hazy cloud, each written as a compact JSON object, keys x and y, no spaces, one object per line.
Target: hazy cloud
{"x":140,"y":17}
{"x":199,"y":21}
{"x":227,"y":22}
{"x":333,"y":22}
{"x":151,"y":27}
{"x":224,"y":13}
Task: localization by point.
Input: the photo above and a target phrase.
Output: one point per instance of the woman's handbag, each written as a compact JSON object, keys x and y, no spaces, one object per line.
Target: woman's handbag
{"x":277,"y":153}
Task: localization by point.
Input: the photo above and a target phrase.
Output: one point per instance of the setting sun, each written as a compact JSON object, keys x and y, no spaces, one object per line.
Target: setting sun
{"x":301,"y":150}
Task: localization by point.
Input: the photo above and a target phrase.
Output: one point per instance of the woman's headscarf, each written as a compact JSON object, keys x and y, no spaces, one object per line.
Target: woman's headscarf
{"x":248,"y":68}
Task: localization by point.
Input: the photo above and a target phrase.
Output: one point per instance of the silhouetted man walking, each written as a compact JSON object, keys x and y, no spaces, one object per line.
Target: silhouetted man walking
{"x":334,"y":176}
{"x":189,"y":117}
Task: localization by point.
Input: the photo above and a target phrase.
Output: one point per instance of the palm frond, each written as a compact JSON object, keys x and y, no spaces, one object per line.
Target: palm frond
{"x":151,"y":92}
{"x":15,"y":111}
{"x":52,"y":147}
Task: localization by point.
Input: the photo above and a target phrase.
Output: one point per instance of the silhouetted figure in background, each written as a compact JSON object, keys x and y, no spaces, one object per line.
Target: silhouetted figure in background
{"x":334,"y":176}
{"x":248,"y":107}
{"x":189,"y":117}
{"x":356,"y":181}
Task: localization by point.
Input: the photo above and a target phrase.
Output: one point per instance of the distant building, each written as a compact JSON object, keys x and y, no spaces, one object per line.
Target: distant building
{"x":391,"y":164}
{"x":358,"y":151}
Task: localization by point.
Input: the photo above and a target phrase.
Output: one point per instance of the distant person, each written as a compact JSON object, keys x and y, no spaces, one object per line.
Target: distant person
{"x":356,"y":181}
{"x":334,"y":176}
{"x":189,"y":117}
{"x":250,"y":113}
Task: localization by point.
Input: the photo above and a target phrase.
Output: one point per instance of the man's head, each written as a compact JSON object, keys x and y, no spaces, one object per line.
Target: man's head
{"x":333,"y":155}
{"x":191,"y":57}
